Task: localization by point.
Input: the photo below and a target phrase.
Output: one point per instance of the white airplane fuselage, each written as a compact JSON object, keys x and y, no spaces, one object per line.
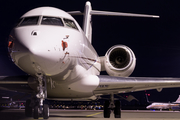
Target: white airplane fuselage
{"x":164,"y":106}
{"x":63,"y":54}
{"x":159,"y":106}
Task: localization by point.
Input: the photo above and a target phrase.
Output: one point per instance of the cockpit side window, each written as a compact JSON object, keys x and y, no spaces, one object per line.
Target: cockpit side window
{"x":51,"y":21}
{"x":18,"y":22}
{"x":29,"y":21}
{"x":70,"y":23}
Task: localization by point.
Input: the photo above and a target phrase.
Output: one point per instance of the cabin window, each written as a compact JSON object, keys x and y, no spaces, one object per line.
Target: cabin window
{"x":29,"y":21}
{"x":70,"y":23}
{"x":52,"y":21}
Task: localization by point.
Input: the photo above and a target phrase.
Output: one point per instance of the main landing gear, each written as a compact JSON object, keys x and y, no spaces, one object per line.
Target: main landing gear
{"x":112,"y":106}
{"x":39,"y":104}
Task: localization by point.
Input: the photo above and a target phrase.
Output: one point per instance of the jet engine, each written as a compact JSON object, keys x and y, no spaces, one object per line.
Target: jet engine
{"x":119,"y":61}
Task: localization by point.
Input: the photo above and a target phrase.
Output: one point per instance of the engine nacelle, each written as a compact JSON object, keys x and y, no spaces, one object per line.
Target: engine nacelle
{"x":119,"y":61}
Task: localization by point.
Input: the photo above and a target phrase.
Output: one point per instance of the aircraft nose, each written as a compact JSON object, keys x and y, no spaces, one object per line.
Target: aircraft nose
{"x":30,"y":52}
{"x":148,"y":107}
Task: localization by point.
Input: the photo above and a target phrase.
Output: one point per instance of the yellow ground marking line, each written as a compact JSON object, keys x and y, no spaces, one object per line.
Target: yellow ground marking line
{"x":94,"y":114}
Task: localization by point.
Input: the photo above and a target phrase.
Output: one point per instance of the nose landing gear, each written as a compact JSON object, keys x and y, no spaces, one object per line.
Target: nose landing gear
{"x":41,"y":111}
{"x":41,"y":108}
{"x":38,"y":102}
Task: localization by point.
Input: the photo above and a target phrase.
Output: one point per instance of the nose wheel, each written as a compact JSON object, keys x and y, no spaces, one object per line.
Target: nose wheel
{"x":41,"y":111}
{"x":36,"y":112}
{"x":46,"y":111}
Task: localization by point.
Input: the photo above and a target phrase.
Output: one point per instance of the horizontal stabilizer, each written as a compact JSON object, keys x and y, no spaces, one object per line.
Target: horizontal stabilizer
{"x":95,"y":12}
{"x":75,"y":13}
{"x":107,"y":13}
{"x":88,"y":12}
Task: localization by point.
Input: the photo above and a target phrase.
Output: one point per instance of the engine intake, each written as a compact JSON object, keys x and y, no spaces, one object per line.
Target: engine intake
{"x":119,"y":61}
{"x":120,"y":58}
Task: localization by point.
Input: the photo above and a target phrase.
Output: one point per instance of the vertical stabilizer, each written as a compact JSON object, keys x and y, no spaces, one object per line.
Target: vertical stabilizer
{"x":147,"y":98}
{"x":87,"y":25}
{"x":178,"y":100}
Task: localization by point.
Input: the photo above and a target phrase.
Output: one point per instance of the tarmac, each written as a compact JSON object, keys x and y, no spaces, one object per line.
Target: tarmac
{"x":61,"y":114}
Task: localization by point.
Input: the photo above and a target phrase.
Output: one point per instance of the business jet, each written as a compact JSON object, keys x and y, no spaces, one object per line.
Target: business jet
{"x":48,"y":44}
{"x":159,"y":105}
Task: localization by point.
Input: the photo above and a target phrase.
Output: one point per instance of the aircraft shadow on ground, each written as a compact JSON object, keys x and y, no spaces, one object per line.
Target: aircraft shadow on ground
{"x":71,"y":116}
{"x":12,"y":115}
{"x":8,"y":114}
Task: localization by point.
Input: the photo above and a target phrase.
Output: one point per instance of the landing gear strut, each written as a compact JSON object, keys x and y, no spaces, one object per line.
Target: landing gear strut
{"x":109,"y":105}
{"x":40,"y":107}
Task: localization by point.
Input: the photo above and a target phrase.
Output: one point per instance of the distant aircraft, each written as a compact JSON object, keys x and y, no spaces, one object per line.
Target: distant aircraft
{"x":48,"y":44}
{"x":10,"y":103}
{"x":161,"y":105}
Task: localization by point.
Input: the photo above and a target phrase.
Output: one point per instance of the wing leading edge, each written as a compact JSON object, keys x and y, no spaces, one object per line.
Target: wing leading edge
{"x":110,"y":84}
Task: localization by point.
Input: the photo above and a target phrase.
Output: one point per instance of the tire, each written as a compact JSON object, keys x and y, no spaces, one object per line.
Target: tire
{"x":107,"y":111}
{"x":36,"y":113}
{"x":46,"y":111}
{"x":117,"y":109}
{"x":28,"y":109}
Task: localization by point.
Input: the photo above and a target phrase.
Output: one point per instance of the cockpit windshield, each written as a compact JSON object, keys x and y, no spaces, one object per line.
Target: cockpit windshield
{"x":70,"y":23}
{"x":29,"y":21}
{"x":47,"y":20}
{"x":52,"y":21}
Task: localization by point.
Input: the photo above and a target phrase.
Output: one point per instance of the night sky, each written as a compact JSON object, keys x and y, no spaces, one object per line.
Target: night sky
{"x":155,"y":42}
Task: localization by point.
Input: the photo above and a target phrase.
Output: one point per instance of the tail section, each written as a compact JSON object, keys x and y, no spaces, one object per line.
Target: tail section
{"x":147,"y":98}
{"x":178,"y":100}
{"x":88,"y":12}
{"x":87,"y":25}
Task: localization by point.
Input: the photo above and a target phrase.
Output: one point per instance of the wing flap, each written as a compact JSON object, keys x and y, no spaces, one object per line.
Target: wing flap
{"x":109,"y":84}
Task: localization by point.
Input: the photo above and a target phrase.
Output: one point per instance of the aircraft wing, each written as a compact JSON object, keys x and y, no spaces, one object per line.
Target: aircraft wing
{"x":15,"y":83}
{"x":110,"y":84}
